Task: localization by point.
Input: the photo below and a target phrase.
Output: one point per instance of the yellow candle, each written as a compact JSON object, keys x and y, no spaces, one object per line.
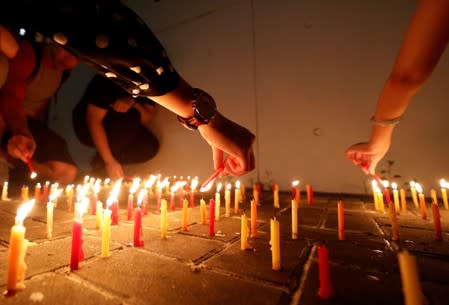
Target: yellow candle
{"x":203,"y":211}
{"x":444,"y":193}
{"x":5,"y":191}
{"x":294,"y":219}
{"x":37,"y":192}
{"x":50,"y":208}
{"x":433,"y":195}
{"x":24,"y":193}
{"x":411,"y":287}
{"x":296,"y":190}
{"x":228,"y":200}
{"x":380,"y":202}
{"x":375,"y":196}
{"x":217,"y":202}
{"x":185,"y":215}
{"x":106,"y":232}
{"x":394,"y":222}
{"x":276,"y":195}
{"x":341,"y":220}
{"x":422,"y":201}
{"x":414,"y":194}
{"x":236,"y":197}
{"x":17,"y":250}
{"x":275,"y":243}
{"x":98,"y":214}
{"x":253,"y":219}
{"x":396,"y":197}
{"x":244,"y":232}
{"x":164,"y":219}
{"x":403,"y":200}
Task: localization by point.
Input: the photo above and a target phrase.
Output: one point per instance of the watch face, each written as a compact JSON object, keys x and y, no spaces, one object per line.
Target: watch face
{"x":205,"y":105}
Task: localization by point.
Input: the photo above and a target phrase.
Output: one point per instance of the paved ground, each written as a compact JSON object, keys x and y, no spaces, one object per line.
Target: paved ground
{"x":193,"y":268}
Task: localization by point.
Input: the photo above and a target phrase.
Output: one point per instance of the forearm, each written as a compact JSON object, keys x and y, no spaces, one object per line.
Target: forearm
{"x":100,"y":140}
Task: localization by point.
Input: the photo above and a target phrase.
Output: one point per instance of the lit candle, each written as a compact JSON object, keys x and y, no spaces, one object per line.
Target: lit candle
{"x":341,"y":220}
{"x":228,"y":200}
{"x":138,"y":231}
{"x":193,"y":186}
{"x":172,"y":197}
{"x":386,"y":184}
{"x":37,"y":192}
{"x":236,"y":197}
{"x":422,"y":201}
{"x":394,"y":222}
{"x":99,"y":214}
{"x":253,"y":219}
{"x":112,"y":202}
{"x":77,"y":253}
{"x":295,"y":191}
{"x":380,"y":201}
{"x":309,"y":191}
{"x":50,"y":210}
{"x":436,"y":221}
{"x":181,"y":193}
{"x":411,"y":287}
{"x":433,"y":196}
{"x":275,"y":189}
{"x":294,"y":219}
{"x":244,"y":232}
{"x":275,"y":243}
{"x":185,"y":215}
{"x":443,"y":185}
{"x":414,"y":194}
{"x":17,"y":250}
{"x":68,"y":193}
{"x":212,"y":217}
{"x":5,"y":191}
{"x":94,"y":197}
{"x":135,"y":185}
{"x":218,"y":201}
{"x":326,"y":290}
{"x":403,"y":200}
{"x":106,"y":231}
{"x":164,"y":219}
{"x":396,"y":197}
{"x":203,"y":211}
{"x":44,"y":197}
{"x":24,"y":193}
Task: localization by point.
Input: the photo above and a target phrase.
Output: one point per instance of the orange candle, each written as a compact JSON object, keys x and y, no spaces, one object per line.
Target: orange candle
{"x":228,"y":200}
{"x":380,"y":202}
{"x":294,"y":219}
{"x":236,"y":197}
{"x":253,"y":219}
{"x":24,"y":193}
{"x":341,"y":220}
{"x":275,"y":242}
{"x":433,"y":195}
{"x":411,"y":287}
{"x":414,"y":193}
{"x":403,"y":200}
{"x":37,"y":192}
{"x":275,"y":189}
{"x":444,"y":185}
{"x":244,"y":232}
{"x":436,"y":221}
{"x":422,"y":201}
{"x":256,"y":192}
{"x":309,"y":194}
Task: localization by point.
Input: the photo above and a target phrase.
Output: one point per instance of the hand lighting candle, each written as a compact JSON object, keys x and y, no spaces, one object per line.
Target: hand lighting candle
{"x":17,"y":250}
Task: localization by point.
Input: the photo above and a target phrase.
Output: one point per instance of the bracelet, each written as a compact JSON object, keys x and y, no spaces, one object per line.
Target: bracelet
{"x":390,"y":122}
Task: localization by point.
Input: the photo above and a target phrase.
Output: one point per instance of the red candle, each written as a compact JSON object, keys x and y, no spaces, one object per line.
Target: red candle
{"x":172,"y":200}
{"x":309,"y":194}
{"x":436,"y":221}
{"x":192,"y":198}
{"x":326,"y":290}
{"x":93,"y":203}
{"x":114,"y":213}
{"x":77,"y":254}
{"x":181,"y":196}
{"x":253,"y":219}
{"x":211,"y":217}
{"x":138,"y":232}
{"x":387,"y":196}
{"x":130,"y":205}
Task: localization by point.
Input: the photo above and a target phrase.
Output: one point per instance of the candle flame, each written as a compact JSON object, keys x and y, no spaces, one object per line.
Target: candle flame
{"x":385,"y":183}
{"x":418,"y":187}
{"x":394,"y":185}
{"x":82,"y":208}
{"x":150,"y":182}
{"x":33,"y":175}
{"x":107,"y":181}
{"x":207,"y":187}
{"x":113,"y":195}
{"x":374,"y":183}
{"x":194,"y":184}
{"x":82,"y":191}
{"x":295,"y":183}
{"x":443,"y":183}
{"x":135,"y":185}
{"x":177,"y":186}
{"x":219,"y":186}
{"x":140,"y":197}
{"x":54,"y":195}
{"x":86,"y":179}
{"x":23,"y":211}
{"x":97,"y":187}
{"x":228,"y":186}
{"x":237,"y":184}
{"x":412,"y":183}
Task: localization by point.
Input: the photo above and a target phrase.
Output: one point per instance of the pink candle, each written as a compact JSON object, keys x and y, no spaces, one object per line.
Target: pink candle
{"x":114,"y":213}
{"x":77,"y":254}
{"x":138,"y":232}
{"x":130,"y":205}
{"x":211,"y":217}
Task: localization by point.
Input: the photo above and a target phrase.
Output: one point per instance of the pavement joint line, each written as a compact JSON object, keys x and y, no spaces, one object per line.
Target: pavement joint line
{"x":214,"y":252}
{"x":251,"y":279}
{"x":296,"y":296}
{"x":321,"y":224}
{"x":382,"y":232}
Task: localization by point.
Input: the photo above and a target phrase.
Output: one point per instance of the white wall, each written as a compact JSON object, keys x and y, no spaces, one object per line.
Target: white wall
{"x":304,"y":76}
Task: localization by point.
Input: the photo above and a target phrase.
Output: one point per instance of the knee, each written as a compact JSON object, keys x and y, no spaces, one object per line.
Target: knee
{"x":64,"y":173}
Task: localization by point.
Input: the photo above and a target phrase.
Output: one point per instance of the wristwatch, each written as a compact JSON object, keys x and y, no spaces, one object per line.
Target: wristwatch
{"x":204,"y":110}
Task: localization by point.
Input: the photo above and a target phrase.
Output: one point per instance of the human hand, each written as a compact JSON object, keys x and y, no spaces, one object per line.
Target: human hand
{"x":21,"y":147}
{"x":366,"y":156}
{"x":227,"y":137}
{"x":8,"y":44}
{"x":123,"y":104}
{"x":114,"y":170}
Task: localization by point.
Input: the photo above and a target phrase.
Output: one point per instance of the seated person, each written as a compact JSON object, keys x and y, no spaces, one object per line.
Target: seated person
{"x":111,"y":120}
{"x":35,"y":75}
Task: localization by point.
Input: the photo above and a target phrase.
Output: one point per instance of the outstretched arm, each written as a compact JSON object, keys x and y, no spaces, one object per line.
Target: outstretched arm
{"x":421,"y":49}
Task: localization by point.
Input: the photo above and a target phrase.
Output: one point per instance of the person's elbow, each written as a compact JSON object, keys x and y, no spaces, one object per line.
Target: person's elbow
{"x":408,"y":81}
